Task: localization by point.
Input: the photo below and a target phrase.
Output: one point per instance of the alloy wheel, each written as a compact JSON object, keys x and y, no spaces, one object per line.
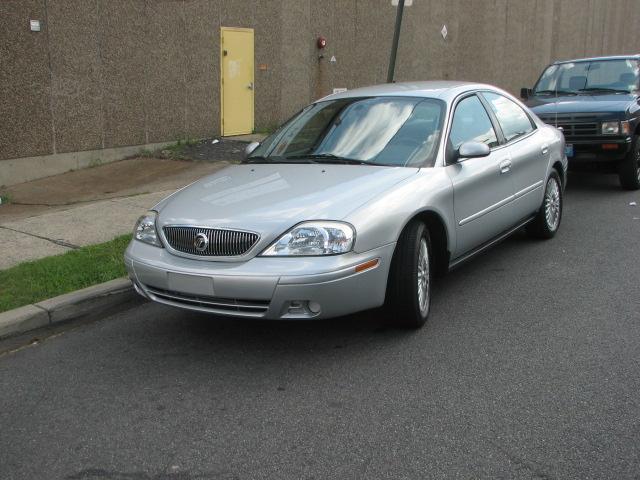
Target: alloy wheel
{"x":552,"y":204}
{"x":424,"y":285}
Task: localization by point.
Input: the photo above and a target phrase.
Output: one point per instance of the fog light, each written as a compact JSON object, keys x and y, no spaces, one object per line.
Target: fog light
{"x":303,"y":307}
{"x":314,"y":307}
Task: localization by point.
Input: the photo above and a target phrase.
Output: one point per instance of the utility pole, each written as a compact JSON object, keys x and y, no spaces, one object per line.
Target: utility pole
{"x":394,"y":46}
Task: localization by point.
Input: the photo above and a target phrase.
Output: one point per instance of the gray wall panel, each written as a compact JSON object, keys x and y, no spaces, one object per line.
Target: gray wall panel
{"x":75,"y":71}
{"x":108,"y":73}
{"x":26,"y":126}
{"x":123,"y":30}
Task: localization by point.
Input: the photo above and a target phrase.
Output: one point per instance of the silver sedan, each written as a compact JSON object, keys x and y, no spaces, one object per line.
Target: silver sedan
{"x":359,"y":201}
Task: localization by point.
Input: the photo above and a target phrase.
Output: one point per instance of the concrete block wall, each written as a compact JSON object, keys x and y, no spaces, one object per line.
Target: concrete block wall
{"x":107,"y":74}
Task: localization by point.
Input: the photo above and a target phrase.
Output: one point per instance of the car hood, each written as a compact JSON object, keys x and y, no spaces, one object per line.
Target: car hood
{"x":615,"y":104}
{"x":270,"y":198}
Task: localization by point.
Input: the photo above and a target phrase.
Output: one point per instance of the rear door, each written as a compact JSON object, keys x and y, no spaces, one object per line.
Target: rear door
{"x":529,"y":154}
{"x":483,"y":188}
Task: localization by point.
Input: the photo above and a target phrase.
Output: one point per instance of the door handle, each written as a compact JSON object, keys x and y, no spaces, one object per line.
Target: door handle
{"x":505,"y":166}
{"x":545,"y":149}
{"x":250,"y":86}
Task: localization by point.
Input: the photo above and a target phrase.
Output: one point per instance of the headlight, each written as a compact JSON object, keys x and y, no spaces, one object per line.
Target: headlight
{"x":313,"y":239}
{"x":145,"y":229}
{"x":610,"y":128}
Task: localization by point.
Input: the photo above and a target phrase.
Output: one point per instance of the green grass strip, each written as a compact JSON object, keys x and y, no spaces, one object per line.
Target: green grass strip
{"x":48,"y":277}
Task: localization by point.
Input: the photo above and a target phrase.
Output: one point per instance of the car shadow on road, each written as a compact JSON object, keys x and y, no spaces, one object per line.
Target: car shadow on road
{"x":593,"y":182}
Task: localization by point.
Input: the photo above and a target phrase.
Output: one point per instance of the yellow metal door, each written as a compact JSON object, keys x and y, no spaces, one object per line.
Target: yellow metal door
{"x":236,"y":60}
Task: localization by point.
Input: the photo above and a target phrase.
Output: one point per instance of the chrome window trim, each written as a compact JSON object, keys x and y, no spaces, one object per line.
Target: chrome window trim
{"x":524,"y":108}
{"x":454,"y":105}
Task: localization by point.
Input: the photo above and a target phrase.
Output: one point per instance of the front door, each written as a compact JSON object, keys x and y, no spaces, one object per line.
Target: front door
{"x":236,"y":60}
{"x":482,"y":187}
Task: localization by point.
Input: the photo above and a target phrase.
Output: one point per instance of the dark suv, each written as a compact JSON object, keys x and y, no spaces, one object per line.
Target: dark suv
{"x":595,"y":102}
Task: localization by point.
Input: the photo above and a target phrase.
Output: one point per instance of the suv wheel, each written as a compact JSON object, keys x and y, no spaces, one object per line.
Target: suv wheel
{"x":409,"y":284}
{"x":629,"y":168}
{"x":547,"y":220}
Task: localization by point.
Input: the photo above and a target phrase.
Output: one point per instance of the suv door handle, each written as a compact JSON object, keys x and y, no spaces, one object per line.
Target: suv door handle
{"x":505,"y":166}
{"x":545,"y":149}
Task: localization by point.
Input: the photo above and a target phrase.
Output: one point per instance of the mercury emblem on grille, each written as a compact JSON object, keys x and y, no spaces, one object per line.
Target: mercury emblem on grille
{"x":201,"y":242}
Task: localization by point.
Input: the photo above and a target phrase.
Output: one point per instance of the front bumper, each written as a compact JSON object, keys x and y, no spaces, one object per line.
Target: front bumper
{"x":262,"y":287}
{"x":599,"y":149}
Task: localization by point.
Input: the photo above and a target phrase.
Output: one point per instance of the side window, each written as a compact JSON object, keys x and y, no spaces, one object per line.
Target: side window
{"x":512,"y":118}
{"x":471,"y":123}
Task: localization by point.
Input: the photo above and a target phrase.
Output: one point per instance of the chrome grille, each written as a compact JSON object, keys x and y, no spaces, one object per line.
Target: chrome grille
{"x":574,"y":125}
{"x":248,"y":308}
{"x":222,"y":243}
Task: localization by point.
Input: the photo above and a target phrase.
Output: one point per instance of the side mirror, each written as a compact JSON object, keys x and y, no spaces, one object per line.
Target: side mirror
{"x":525,"y":93}
{"x":250,"y":148}
{"x":473,"y":150}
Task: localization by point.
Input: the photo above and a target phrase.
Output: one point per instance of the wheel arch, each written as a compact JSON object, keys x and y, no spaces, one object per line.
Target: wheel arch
{"x":560,"y":169}
{"x":439,"y":238}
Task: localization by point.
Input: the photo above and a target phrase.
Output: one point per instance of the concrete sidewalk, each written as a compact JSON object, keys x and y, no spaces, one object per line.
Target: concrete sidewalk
{"x":57,"y":214}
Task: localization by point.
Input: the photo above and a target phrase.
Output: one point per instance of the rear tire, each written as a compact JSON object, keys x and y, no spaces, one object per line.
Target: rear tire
{"x":547,"y":220}
{"x":408,"y":300}
{"x":629,"y":168}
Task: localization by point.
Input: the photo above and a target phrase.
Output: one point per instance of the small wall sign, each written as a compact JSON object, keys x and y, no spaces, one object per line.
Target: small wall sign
{"x":34,"y":25}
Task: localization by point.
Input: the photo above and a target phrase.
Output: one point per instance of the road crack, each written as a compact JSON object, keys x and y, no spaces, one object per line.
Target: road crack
{"x":57,"y":241}
{"x":76,"y":202}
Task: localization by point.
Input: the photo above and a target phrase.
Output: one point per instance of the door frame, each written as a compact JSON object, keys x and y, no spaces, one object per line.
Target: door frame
{"x":253,"y":74}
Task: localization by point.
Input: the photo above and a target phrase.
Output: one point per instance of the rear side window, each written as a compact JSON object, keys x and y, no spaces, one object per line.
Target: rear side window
{"x":471,"y":123}
{"x":512,"y":118}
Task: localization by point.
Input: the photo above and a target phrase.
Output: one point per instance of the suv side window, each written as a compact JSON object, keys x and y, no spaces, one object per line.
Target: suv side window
{"x":471,"y":123}
{"x":513,"y":120}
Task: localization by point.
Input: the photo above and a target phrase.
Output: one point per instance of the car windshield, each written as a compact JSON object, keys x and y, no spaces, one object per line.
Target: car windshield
{"x":395,"y":131}
{"x":602,"y":76}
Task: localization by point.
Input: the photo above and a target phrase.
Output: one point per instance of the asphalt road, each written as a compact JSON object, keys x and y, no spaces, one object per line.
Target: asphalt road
{"x":529,"y":368}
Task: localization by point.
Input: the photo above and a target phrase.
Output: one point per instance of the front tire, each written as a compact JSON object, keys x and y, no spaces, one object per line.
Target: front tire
{"x":547,"y":220}
{"x":629,"y":168}
{"x":409,"y":284}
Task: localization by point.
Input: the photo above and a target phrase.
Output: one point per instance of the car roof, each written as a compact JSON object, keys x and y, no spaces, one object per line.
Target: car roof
{"x":443,"y":89}
{"x":594,"y":59}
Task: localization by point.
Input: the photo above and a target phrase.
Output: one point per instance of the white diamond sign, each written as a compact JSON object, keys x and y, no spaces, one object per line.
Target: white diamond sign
{"x":444,"y":32}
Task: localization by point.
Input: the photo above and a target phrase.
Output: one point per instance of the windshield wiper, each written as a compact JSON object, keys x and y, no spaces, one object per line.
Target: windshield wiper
{"x":604,"y":89}
{"x":328,"y":158}
{"x":261,"y":159}
{"x":556,"y":92}
{"x":257,"y":159}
